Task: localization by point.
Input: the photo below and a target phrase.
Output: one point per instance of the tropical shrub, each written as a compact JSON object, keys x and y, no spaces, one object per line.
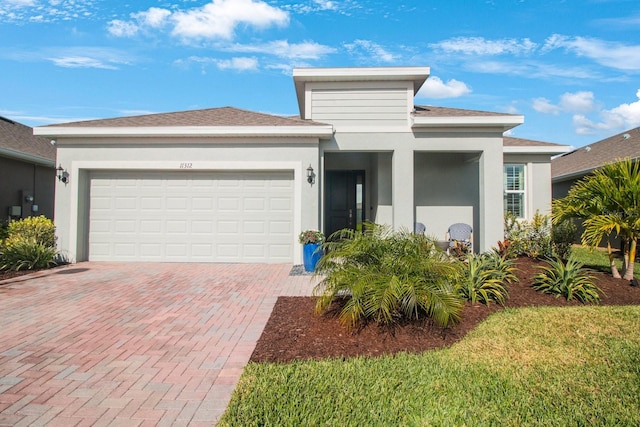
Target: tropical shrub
{"x":570,"y":280}
{"x":26,"y":254}
{"x":485,"y":277}
{"x":387,"y":276}
{"x":563,"y":235}
{"x":531,"y":238}
{"x":39,"y":228}
{"x":29,"y":245}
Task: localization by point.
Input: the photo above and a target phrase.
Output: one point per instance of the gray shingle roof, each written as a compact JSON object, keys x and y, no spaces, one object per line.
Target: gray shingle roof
{"x":583,"y":160}
{"x":431,"y":111}
{"x":223,"y":116}
{"x":19,"y":139}
{"x":509,"y":141}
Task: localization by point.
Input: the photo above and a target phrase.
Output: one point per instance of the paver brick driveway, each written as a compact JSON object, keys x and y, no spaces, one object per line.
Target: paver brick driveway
{"x":132,"y":344}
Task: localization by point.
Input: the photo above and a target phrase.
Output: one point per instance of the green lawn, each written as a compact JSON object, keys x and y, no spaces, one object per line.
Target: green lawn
{"x":598,"y":259}
{"x":543,"y":366}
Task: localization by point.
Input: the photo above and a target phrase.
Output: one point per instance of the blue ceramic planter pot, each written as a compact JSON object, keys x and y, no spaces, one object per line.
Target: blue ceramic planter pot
{"x":311,"y":254}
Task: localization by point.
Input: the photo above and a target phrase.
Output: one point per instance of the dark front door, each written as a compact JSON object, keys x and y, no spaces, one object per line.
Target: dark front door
{"x":344,"y":200}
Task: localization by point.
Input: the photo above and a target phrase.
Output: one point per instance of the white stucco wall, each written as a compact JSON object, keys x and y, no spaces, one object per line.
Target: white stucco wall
{"x":249,"y":154}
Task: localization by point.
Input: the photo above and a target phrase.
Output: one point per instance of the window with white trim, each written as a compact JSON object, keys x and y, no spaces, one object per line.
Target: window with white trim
{"x":514,"y":189}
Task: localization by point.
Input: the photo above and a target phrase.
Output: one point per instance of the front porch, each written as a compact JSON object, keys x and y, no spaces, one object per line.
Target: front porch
{"x":435,"y":188}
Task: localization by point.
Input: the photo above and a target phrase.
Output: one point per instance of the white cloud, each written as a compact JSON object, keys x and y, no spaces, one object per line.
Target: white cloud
{"x":482,"y":46}
{"x":154,"y":17}
{"x":579,"y":102}
{"x":543,"y":105}
{"x":370,"y":51}
{"x":41,"y":11}
{"x":284,"y":49}
{"x":238,"y":64}
{"x":20,"y":3}
{"x":220,"y":18}
{"x":84,"y":57}
{"x":622,"y":117}
{"x":215,"y":20}
{"x":434,"y":87}
{"x":120,"y":28}
{"x":80,"y":62}
{"x":609,"y":54}
{"x":326,"y":4}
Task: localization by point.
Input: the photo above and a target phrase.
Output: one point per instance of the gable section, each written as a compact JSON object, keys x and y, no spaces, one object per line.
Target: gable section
{"x":379,"y":104}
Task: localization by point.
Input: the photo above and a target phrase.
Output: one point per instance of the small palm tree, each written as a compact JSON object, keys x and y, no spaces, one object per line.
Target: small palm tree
{"x":608,"y":201}
{"x":387,"y":276}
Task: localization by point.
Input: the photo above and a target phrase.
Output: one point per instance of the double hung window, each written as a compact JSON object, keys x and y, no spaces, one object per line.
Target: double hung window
{"x":514,"y":189}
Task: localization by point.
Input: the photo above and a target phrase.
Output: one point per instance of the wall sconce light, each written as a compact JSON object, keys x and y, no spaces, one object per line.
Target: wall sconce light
{"x":62,"y":174}
{"x":310,"y":174}
{"x":28,"y":199}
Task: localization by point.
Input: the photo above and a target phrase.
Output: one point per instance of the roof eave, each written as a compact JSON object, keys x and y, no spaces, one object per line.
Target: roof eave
{"x":31,"y":158}
{"x":537,"y":149}
{"x":504,"y":122}
{"x":325,"y":131}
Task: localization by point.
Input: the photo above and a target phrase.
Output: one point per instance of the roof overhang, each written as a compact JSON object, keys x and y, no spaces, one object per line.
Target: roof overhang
{"x":321,"y":131}
{"x":31,"y":158}
{"x":580,"y":173}
{"x":302,"y":76}
{"x":551,"y":150}
{"x":505,"y":122}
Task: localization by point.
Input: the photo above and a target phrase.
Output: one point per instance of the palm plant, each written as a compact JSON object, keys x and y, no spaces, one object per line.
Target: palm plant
{"x":570,"y":280}
{"x":608,"y":201}
{"x":485,"y":278}
{"x":387,"y":276}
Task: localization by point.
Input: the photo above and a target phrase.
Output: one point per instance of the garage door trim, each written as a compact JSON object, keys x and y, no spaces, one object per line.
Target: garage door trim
{"x":76,"y":184}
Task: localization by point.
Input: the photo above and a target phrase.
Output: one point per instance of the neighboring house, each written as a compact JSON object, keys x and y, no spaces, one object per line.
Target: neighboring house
{"x":573,"y":166}
{"x":228,"y":185}
{"x":27,"y":171}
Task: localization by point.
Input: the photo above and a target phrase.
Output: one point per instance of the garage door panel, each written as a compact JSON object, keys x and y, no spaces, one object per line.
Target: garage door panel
{"x":196,"y":216}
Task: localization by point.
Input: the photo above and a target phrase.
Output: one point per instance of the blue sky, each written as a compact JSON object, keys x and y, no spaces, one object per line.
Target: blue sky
{"x":572,"y":68}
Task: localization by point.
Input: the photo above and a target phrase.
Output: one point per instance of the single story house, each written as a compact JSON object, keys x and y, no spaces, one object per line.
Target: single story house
{"x":575,"y":165}
{"x":229,"y":185}
{"x":27,"y":168}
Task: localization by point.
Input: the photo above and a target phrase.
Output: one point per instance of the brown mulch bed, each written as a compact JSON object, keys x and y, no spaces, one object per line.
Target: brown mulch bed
{"x":293,"y":332}
{"x":10,"y":274}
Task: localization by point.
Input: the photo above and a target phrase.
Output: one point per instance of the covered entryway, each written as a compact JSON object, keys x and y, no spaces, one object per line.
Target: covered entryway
{"x":187,"y":216}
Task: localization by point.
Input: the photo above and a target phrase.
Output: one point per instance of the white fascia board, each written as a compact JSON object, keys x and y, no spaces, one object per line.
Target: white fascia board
{"x":537,"y":149}
{"x":187,"y":131}
{"x":5,"y":152}
{"x":506,"y":122}
{"x":418,"y":74}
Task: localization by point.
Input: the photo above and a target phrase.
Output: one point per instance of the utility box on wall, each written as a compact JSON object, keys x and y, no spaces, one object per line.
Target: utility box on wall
{"x":15,"y":211}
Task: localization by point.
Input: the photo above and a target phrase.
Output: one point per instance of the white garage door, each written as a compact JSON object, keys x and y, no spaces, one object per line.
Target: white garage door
{"x":191,"y":216}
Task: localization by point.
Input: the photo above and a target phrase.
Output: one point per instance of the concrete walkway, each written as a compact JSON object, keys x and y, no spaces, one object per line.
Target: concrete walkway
{"x":109,"y":344}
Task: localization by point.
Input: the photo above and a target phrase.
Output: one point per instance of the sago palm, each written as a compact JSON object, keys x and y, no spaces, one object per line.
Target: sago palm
{"x":608,"y":201}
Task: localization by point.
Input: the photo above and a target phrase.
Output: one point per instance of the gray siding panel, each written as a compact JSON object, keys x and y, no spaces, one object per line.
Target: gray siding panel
{"x":363,"y":106}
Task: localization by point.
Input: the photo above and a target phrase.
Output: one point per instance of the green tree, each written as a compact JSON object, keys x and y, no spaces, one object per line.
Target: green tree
{"x":608,"y":202}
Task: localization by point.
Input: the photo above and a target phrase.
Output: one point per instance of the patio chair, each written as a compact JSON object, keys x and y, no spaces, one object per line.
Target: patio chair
{"x":419,"y":228}
{"x":460,"y":234}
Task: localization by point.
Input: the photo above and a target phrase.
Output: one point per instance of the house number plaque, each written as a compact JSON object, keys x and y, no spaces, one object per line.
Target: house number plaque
{"x":186,"y":165}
